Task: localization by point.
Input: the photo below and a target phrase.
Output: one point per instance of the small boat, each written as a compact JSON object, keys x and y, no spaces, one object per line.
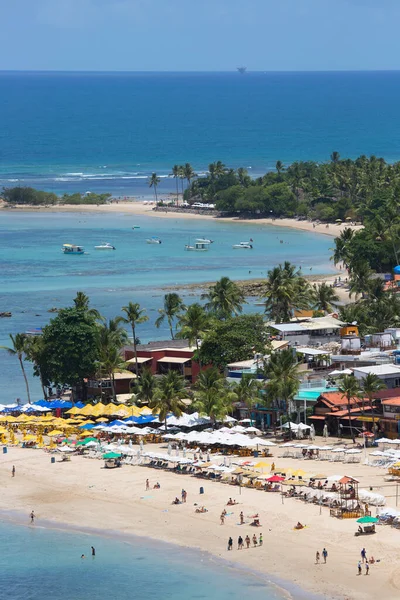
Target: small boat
{"x":153,"y":240}
{"x":198,"y":246}
{"x":71,"y":249}
{"x":204,"y":241}
{"x":136,"y":227}
{"x":243,"y":246}
{"x":105,"y":246}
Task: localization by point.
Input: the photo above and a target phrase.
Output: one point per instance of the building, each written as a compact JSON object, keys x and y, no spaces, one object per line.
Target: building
{"x":122,"y":382}
{"x":332,"y":408}
{"x":163,"y":356}
{"x":311,"y":331}
{"x":389,"y":374}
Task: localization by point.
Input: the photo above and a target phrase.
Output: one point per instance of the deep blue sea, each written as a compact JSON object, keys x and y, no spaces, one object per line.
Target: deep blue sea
{"x":37,"y":563}
{"x":35,"y":276}
{"x":108,"y":131}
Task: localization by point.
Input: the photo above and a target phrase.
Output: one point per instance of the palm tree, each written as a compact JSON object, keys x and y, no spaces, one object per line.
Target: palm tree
{"x":175,"y":174}
{"x":212,"y":396}
{"x":173,"y":306}
{"x":323,"y":297}
{"x":335,"y":157}
{"x":35,"y":351}
{"x":369,"y":386}
{"x":360,"y":278}
{"x":341,"y":251}
{"x":111,"y":362}
{"x":350,"y":390}
{"x":193,"y":324}
{"x":145,"y":386}
{"x":168,"y":397}
{"x":189,"y":174}
{"x":247,"y":391}
{"x":243,"y":177}
{"x":19,"y":349}
{"x":225,"y":298}
{"x":82,"y":301}
{"x":285,"y":290}
{"x":134,"y":316}
{"x":182,"y":176}
{"x":153,"y":182}
{"x":279,"y":166}
{"x":282,"y":372}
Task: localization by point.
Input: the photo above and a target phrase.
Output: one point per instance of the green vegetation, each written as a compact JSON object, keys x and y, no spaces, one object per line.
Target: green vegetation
{"x":212,"y":396}
{"x":19,"y":348}
{"x":29,"y":196}
{"x":134,"y":316}
{"x":168,"y":397}
{"x":224,"y":299}
{"x":173,"y":307}
{"x":282,"y":372}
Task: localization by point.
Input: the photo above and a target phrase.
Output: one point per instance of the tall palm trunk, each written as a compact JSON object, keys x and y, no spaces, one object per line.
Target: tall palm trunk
{"x":135,"y":350}
{"x":112,"y":380}
{"x":177,"y":191}
{"x":165,"y":424}
{"x":198,"y":353}
{"x":25,"y":377}
{"x":170,"y":328}
{"x":350,"y":425}
{"x":155,"y":192}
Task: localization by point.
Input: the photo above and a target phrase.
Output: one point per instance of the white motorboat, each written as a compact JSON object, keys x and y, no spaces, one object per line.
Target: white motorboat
{"x":105,"y":246}
{"x":243,"y":246}
{"x":204,"y":241}
{"x":71,"y":249}
{"x":153,"y":240}
{"x":198,"y":246}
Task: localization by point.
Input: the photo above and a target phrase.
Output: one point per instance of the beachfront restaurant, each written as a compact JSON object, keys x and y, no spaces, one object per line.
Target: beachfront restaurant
{"x":332,"y":408}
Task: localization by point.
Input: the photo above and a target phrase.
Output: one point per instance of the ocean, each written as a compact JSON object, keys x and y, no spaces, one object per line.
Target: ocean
{"x":37,"y":563}
{"x":35,"y":276}
{"x":107,"y":132}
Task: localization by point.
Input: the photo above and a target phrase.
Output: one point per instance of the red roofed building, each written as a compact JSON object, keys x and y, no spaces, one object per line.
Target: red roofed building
{"x":332,"y":408}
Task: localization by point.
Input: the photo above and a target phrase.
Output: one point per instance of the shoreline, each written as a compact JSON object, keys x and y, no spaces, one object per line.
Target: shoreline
{"x":141,"y":209}
{"x":83,"y":493}
{"x":289,"y":590}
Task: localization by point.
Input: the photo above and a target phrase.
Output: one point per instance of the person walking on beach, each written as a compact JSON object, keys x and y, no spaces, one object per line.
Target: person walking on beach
{"x":359,"y":567}
{"x":254,"y":540}
{"x":93,"y":550}
{"x":13,"y":471}
{"x":147,"y":484}
{"x":363,"y":555}
{"x":366,"y":567}
{"x":260,"y":541}
{"x":222,"y":517}
{"x":325,"y":554}
{"x":247,"y":540}
{"x":230,"y":543}
{"x":32,"y":515}
{"x":317,"y":558}
{"x":241,"y":518}
{"x":240,"y":542}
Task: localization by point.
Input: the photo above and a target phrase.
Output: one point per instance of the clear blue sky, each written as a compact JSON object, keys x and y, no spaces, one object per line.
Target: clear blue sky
{"x":199,"y":35}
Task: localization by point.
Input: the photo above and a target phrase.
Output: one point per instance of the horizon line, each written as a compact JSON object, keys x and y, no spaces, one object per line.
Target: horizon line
{"x":248,"y":72}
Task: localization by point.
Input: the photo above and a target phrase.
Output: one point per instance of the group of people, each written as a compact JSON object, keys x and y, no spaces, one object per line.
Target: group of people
{"x":156,"y":486}
{"x":183,"y":496}
{"x":318,"y":556}
{"x":364,"y":561}
{"x":241,"y":542}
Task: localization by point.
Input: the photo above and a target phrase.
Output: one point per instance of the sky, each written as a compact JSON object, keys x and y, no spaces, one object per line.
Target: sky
{"x":199,"y":35}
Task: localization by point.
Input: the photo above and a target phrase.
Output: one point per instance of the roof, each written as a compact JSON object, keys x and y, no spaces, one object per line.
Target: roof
{"x":162,"y":345}
{"x":140,"y":359}
{"x":278,"y":345}
{"x":392,"y":401}
{"x":179,"y":360}
{"x":311,"y":351}
{"x":312,"y":324}
{"x":379,"y":370}
{"x":317,"y":417}
{"x":244,"y":364}
{"x":347,"y":479}
{"x":338,"y":399}
{"x":123,"y":375}
{"x":344,"y":413}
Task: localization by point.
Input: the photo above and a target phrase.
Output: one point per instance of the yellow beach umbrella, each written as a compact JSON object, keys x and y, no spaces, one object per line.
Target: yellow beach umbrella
{"x":262,"y":464}
{"x":30,"y":438}
{"x":145,"y":411}
{"x":102,"y":420}
{"x":54,"y":433}
{"x":73,"y":411}
{"x":110,"y":409}
{"x":47,"y":418}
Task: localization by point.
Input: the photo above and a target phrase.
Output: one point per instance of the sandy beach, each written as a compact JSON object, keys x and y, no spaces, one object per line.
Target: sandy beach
{"x":81,"y":493}
{"x":142,"y":209}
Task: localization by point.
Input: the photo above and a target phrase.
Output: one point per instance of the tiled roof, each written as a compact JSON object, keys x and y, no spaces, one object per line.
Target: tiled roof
{"x":391,"y":401}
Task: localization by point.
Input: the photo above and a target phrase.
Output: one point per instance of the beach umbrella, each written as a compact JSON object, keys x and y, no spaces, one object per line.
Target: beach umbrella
{"x":367,"y":520}
{"x":54,"y":433}
{"x":262,"y":464}
{"x":275,"y":479}
{"x":108,"y":455}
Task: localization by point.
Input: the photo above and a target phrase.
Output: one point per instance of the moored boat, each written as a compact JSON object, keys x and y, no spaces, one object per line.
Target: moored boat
{"x":198,"y":246}
{"x":243,"y":246}
{"x":153,"y":240}
{"x":72,"y":249}
{"x":204,"y":241}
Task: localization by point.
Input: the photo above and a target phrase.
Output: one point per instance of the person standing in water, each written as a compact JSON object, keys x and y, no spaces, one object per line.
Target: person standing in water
{"x":93,"y":550}
{"x":32,"y":515}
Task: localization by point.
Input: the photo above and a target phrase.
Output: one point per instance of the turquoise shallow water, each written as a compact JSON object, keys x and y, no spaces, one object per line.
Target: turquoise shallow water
{"x":35,"y":276}
{"x":37,"y":563}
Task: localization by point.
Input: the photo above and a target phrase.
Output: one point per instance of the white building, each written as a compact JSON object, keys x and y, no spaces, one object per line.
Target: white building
{"x":389,"y":374}
{"x":311,"y":331}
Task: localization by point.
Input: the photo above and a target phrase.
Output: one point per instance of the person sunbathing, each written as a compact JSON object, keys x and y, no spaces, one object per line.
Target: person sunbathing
{"x":201,"y":510}
{"x":256,"y":523}
{"x":231,"y":502}
{"x":299,"y":525}
{"x":176,"y":501}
